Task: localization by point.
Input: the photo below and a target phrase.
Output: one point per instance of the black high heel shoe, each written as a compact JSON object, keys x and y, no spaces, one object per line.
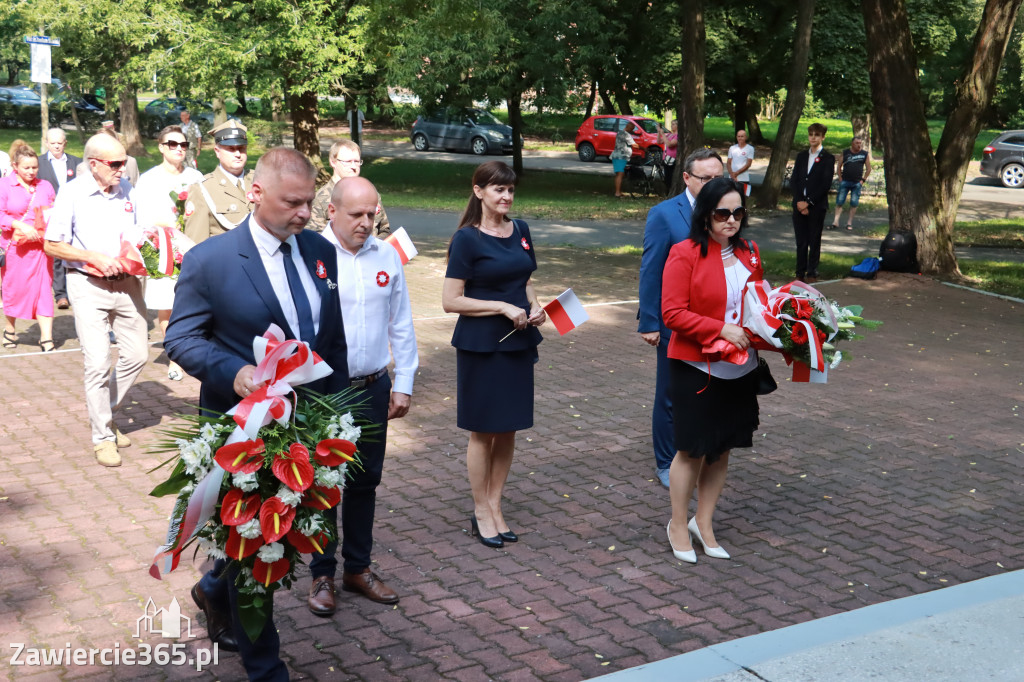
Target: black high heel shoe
{"x":509,"y":536}
{"x":494,"y":542}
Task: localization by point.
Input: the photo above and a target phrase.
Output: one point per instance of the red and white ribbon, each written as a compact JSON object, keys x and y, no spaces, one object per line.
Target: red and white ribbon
{"x":283,"y":364}
{"x":164,"y":246}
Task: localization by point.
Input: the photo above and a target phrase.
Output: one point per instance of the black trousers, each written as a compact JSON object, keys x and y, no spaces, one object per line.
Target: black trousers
{"x":807,"y":229}
{"x":359,"y":498}
{"x":60,"y":280}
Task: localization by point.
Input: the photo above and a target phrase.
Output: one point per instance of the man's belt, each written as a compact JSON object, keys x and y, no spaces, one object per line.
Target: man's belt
{"x":109,"y":278}
{"x":363,"y":382}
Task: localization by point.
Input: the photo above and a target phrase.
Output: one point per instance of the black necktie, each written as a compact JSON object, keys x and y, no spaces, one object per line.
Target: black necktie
{"x":298,"y":295}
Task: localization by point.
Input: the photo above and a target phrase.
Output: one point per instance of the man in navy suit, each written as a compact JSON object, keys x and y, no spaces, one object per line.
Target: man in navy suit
{"x":231,"y":288}
{"x":668,"y":223}
{"x":58,"y":169}
{"x":813,"y":171}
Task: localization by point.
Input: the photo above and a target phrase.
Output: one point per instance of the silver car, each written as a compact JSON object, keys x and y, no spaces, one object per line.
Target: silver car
{"x":1003,"y":158}
{"x":462,"y":129}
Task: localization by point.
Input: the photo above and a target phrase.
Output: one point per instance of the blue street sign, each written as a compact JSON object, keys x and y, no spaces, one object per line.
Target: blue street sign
{"x":43,"y":40}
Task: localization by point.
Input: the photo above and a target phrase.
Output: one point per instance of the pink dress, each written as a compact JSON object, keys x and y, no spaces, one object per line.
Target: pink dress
{"x":28,"y":273}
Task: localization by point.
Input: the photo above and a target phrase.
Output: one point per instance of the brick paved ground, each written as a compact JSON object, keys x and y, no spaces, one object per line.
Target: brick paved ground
{"x":900,"y":477}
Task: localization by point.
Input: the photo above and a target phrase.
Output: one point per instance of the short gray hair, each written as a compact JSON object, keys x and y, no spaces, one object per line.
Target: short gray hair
{"x":702,"y":154}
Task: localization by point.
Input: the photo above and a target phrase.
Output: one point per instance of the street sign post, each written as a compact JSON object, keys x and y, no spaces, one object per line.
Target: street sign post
{"x":41,"y":73}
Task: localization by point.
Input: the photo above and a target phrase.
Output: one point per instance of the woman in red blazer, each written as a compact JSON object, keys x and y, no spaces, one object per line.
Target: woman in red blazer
{"x":714,"y":405}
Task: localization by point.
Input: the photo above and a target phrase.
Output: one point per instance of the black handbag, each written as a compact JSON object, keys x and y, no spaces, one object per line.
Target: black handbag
{"x":765,"y":381}
{"x":3,"y":256}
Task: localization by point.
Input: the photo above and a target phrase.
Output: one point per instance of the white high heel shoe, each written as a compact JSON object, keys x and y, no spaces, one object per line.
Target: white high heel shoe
{"x":713,"y":552}
{"x":689,"y":557}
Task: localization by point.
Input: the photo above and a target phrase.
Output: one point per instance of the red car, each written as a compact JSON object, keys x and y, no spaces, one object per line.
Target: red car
{"x":596,"y":137}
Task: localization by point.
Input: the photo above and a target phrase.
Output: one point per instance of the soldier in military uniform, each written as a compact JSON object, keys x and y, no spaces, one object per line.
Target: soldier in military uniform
{"x":347,"y":160}
{"x":194,"y":136}
{"x":224,"y":198}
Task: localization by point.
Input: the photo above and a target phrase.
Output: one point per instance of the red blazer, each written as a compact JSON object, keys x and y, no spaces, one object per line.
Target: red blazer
{"x":694,"y":292}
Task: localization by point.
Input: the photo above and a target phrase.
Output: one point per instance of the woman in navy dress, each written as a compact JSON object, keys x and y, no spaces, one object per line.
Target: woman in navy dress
{"x":490,"y":260}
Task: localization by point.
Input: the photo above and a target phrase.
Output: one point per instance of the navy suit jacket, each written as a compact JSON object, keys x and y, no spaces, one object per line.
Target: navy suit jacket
{"x":223,"y":299}
{"x":668,"y":223}
{"x":46,"y":170}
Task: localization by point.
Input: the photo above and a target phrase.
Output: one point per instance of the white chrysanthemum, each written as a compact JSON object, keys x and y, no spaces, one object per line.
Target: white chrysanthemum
{"x":187,"y":488}
{"x":202,"y":450}
{"x":350,"y":433}
{"x":289,"y":496}
{"x":208,"y":433}
{"x":270,"y":553}
{"x":183,"y":445}
{"x":836,"y":360}
{"x":346,"y":420}
{"x":250,"y":529}
{"x":328,"y":477}
{"x":247,"y":482}
{"x":211,"y":549}
{"x":311,"y":525}
{"x":251,"y":586}
{"x":333,"y":430}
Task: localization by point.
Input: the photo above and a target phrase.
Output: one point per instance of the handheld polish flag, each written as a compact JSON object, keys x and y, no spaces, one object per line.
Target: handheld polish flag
{"x":400,"y":240}
{"x":566,"y":312}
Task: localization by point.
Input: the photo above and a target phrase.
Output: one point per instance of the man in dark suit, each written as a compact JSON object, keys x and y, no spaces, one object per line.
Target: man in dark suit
{"x":58,"y":169}
{"x":812,"y":179}
{"x":668,"y":223}
{"x":231,"y":288}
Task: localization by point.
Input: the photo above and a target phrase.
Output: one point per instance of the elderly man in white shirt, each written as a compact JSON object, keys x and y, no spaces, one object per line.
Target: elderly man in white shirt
{"x":378,"y":317}
{"x":92,"y":215}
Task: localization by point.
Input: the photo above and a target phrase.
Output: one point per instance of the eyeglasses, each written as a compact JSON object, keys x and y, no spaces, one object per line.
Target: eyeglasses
{"x":174,"y":144}
{"x":704,"y":179}
{"x":350,"y":162}
{"x":720,"y":215}
{"x":112,"y":165}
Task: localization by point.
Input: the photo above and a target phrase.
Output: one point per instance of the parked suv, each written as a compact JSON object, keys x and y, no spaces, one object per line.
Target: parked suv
{"x":161,"y":113}
{"x":1003,"y":158}
{"x":596,"y":137}
{"x":461,"y":129}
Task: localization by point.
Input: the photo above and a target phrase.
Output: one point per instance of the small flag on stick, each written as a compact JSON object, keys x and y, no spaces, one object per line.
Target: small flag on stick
{"x":746,"y":188}
{"x":400,"y":240}
{"x":566,"y":312}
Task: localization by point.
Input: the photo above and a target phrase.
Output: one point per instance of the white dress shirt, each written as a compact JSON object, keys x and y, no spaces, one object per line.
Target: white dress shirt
{"x":60,"y":168}
{"x":86,"y":217}
{"x":269,"y":247}
{"x":812,"y":157}
{"x":376,"y":310}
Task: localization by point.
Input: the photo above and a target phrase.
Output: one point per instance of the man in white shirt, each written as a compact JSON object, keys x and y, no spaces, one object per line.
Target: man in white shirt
{"x":741,"y":156}
{"x":90,"y":219}
{"x":58,"y":169}
{"x":377,"y":314}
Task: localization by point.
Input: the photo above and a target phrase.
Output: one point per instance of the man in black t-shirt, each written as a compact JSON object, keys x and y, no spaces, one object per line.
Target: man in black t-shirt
{"x":856,"y":167}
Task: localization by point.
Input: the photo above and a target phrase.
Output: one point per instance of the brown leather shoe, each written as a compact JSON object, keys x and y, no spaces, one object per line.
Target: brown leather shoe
{"x":218,"y":623}
{"x":370,"y":586}
{"x":63,"y":303}
{"x":321,"y":596}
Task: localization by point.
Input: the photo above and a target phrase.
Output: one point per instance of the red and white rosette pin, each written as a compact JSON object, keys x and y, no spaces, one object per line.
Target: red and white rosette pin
{"x":525,"y":244}
{"x":128,"y":207}
{"x":383,"y":278}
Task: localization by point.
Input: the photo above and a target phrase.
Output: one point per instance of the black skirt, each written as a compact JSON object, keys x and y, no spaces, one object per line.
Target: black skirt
{"x":709,"y":422}
{"x":495,"y":390}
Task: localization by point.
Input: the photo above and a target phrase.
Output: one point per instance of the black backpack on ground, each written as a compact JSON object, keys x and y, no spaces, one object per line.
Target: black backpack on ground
{"x":899,"y":252}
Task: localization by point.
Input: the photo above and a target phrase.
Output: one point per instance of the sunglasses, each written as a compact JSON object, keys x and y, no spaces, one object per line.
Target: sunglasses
{"x":174,"y":144}
{"x":720,"y":215}
{"x":113,"y":165}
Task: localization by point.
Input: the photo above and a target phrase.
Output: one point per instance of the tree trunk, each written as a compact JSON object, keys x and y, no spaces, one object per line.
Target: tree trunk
{"x":923,"y":189}
{"x":862,"y":128}
{"x":75,"y":95}
{"x":754,"y":134}
{"x":591,"y":101}
{"x":220,"y":110}
{"x":622,"y":99}
{"x":740,"y":111}
{"x":607,"y":106}
{"x":130,"y":135}
{"x":691,"y":84}
{"x":796,"y":95}
{"x":515,"y":119}
{"x":306,"y":124}
{"x":276,"y":105}
{"x":243,"y":107}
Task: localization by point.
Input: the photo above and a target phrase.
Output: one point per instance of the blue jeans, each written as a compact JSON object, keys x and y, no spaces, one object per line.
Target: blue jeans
{"x":853,"y":188}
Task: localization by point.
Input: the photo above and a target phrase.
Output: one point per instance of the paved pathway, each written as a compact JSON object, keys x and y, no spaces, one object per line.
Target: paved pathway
{"x":900,"y":477}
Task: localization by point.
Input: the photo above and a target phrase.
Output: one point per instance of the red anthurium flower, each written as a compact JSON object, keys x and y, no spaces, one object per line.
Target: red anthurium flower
{"x":266,"y":573}
{"x":241,"y":458}
{"x":238,"y":547}
{"x":237,"y":508}
{"x":798,"y":335}
{"x":334,"y":451}
{"x":275,"y":519}
{"x":182,"y":195}
{"x":320,"y":497}
{"x":293,"y":468}
{"x":307,"y":545}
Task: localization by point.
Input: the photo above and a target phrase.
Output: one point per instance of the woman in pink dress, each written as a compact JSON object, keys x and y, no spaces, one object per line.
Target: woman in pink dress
{"x":28,"y":272}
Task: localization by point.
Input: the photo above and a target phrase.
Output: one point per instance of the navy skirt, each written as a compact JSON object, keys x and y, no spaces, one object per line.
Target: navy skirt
{"x":495,"y":390}
{"x":722,"y":416}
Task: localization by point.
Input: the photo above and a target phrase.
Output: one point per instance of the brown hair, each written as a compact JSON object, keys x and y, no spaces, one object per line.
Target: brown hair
{"x":490,"y":173}
{"x":162,"y":137}
{"x":818,"y":128}
{"x":20,"y":150}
